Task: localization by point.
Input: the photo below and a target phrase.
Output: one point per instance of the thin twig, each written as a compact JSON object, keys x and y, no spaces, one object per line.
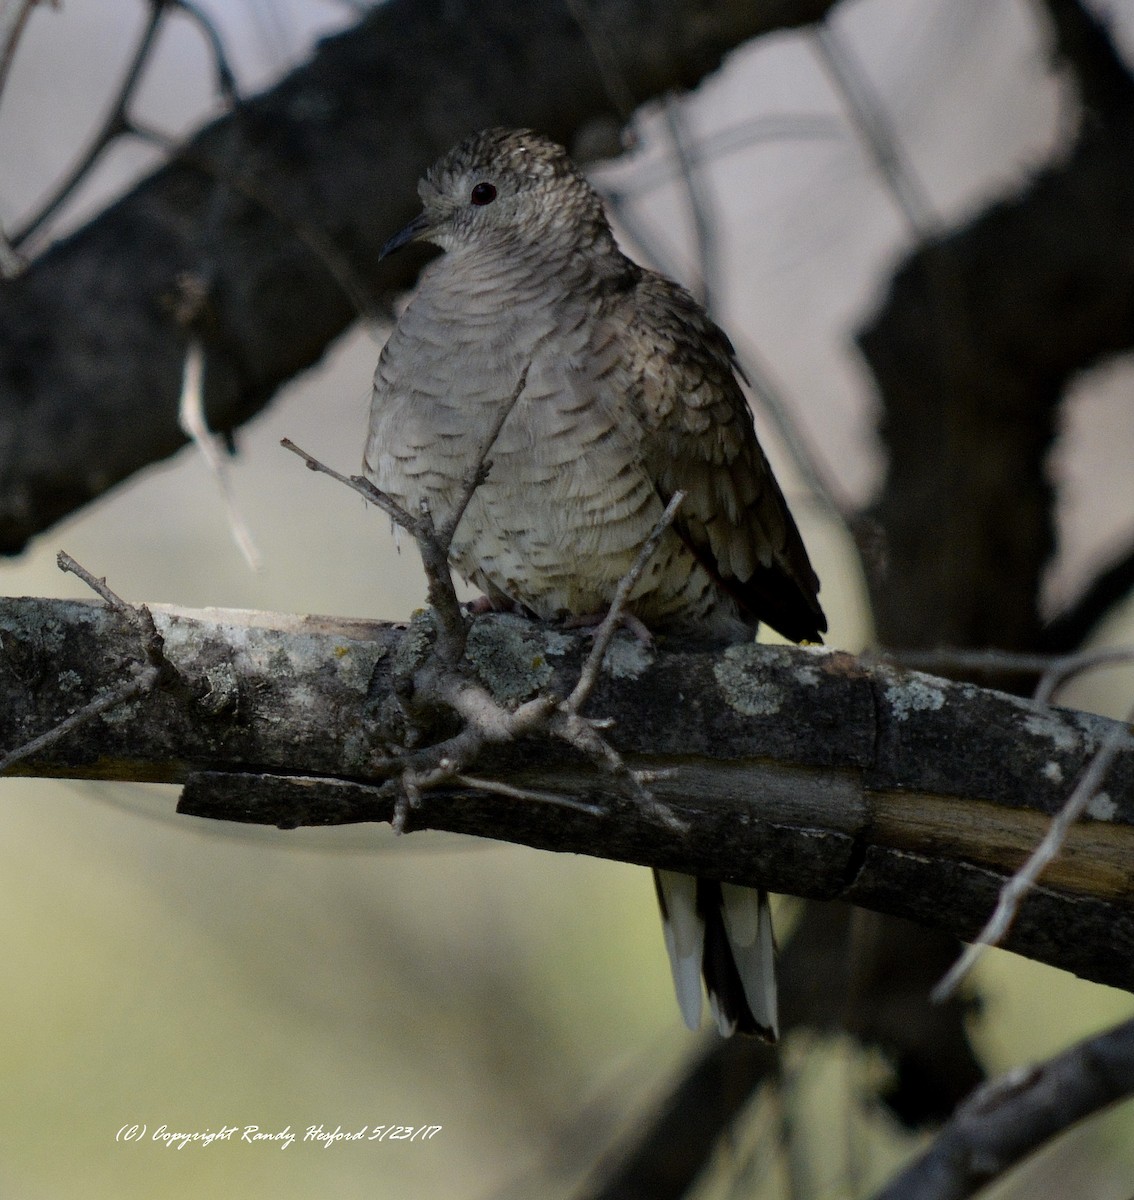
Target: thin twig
{"x":699,"y":203}
{"x":602,"y":51}
{"x":195,"y":426}
{"x":1013,"y":1116}
{"x":588,"y":676}
{"x":118,"y":121}
{"x":337,"y":265}
{"x":115,"y":124}
{"x":869,"y":118}
{"x":1014,"y":891}
{"x":962,"y":659}
{"x":482,"y":465}
{"x":155,"y":672}
{"x":225,"y":75}
{"x":1063,"y":670}
{"x":13,"y":18}
{"x":714,"y":146}
{"x":768,"y":395}
{"x":361,"y":485}
{"x":1109,"y":588}
{"x":144,"y":681}
{"x":446,"y":678}
{"x":516,"y":793}
{"x":773,"y":402}
{"x":139,"y":615}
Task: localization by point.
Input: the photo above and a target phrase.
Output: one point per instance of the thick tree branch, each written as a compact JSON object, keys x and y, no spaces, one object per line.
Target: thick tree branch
{"x":1016,"y":1114}
{"x":802,"y":771}
{"x":318,"y":172}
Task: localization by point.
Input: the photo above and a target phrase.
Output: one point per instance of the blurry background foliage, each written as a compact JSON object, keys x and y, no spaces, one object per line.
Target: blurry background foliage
{"x":161,"y":971}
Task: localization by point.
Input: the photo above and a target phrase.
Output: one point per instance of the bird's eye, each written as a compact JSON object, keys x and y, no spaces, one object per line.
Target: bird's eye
{"x":483,"y":193}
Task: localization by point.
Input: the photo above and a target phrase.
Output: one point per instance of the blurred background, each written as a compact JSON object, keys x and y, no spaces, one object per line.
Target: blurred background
{"x":165,"y":971}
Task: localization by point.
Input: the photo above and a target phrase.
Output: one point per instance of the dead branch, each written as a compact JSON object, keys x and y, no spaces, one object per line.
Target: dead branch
{"x":444,"y":679}
{"x":1012,"y":1116}
{"x":155,"y":671}
{"x":1087,"y":791}
{"x":343,"y":170}
{"x":804,"y":771}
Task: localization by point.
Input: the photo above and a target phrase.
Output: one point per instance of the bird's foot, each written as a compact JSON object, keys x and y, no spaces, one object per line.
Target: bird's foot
{"x":486,"y":604}
{"x":628,"y":621}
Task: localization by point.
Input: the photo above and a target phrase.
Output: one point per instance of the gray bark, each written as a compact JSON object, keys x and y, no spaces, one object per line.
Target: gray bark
{"x":808,"y":772}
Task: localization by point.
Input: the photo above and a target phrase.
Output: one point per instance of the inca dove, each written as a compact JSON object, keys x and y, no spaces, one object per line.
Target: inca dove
{"x":630,"y":395}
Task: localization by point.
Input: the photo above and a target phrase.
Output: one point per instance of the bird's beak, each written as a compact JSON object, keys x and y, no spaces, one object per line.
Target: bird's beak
{"x":419,"y":227}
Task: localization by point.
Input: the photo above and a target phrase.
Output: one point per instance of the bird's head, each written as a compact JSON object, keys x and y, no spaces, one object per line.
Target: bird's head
{"x":504,"y":188}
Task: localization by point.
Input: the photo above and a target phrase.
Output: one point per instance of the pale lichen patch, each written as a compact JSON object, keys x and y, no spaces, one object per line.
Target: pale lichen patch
{"x":743,"y":685}
{"x":627,"y":658}
{"x":1053,"y":772}
{"x":510,"y":655}
{"x":355,"y":663}
{"x":1049,"y":726}
{"x":1101,"y":807}
{"x":808,"y":675}
{"x":914,"y":693}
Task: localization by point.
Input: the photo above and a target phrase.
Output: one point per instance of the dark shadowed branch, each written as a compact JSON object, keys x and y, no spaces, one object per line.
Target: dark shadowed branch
{"x":334,"y":150}
{"x":1016,"y":1114}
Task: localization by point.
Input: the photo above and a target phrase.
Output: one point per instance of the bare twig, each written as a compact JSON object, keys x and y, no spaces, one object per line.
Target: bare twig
{"x":155,"y":672}
{"x":730,"y":140}
{"x":817,"y":476}
{"x":139,"y":615}
{"x":1016,"y":1114}
{"x":699,"y":203}
{"x":13,"y":17}
{"x":337,"y":265}
{"x":118,"y":121}
{"x":115,"y":124}
{"x":444,"y":677}
{"x":1063,"y":670}
{"x":434,"y":544}
{"x":870,"y":120}
{"x":605,"y":57}
{"x":482,"y":464}
{"x":191,"y":418}
{"x":145,"y":680}
{"x":588,"y":676}
{"x":1014,"y":891}
{"x":361,"y":485}
{"x":225,"y":76}
{"x":515,"y":793}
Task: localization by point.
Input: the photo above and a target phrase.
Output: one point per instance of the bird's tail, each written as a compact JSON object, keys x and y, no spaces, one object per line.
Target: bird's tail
{"x":724,"y":933}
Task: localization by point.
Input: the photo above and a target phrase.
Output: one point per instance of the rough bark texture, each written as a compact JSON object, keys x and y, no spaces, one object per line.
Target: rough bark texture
{"x":318,"y":172}
{"x":802,"y":771}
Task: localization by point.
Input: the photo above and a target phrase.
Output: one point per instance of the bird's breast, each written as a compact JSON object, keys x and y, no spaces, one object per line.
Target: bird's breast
{"x":568,"y":500}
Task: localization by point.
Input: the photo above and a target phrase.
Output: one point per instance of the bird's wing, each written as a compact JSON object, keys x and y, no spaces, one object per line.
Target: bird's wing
{"x":698,"y":437}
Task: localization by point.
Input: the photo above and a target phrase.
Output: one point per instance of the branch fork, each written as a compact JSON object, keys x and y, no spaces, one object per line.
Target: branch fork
{"x":445,"y":678}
